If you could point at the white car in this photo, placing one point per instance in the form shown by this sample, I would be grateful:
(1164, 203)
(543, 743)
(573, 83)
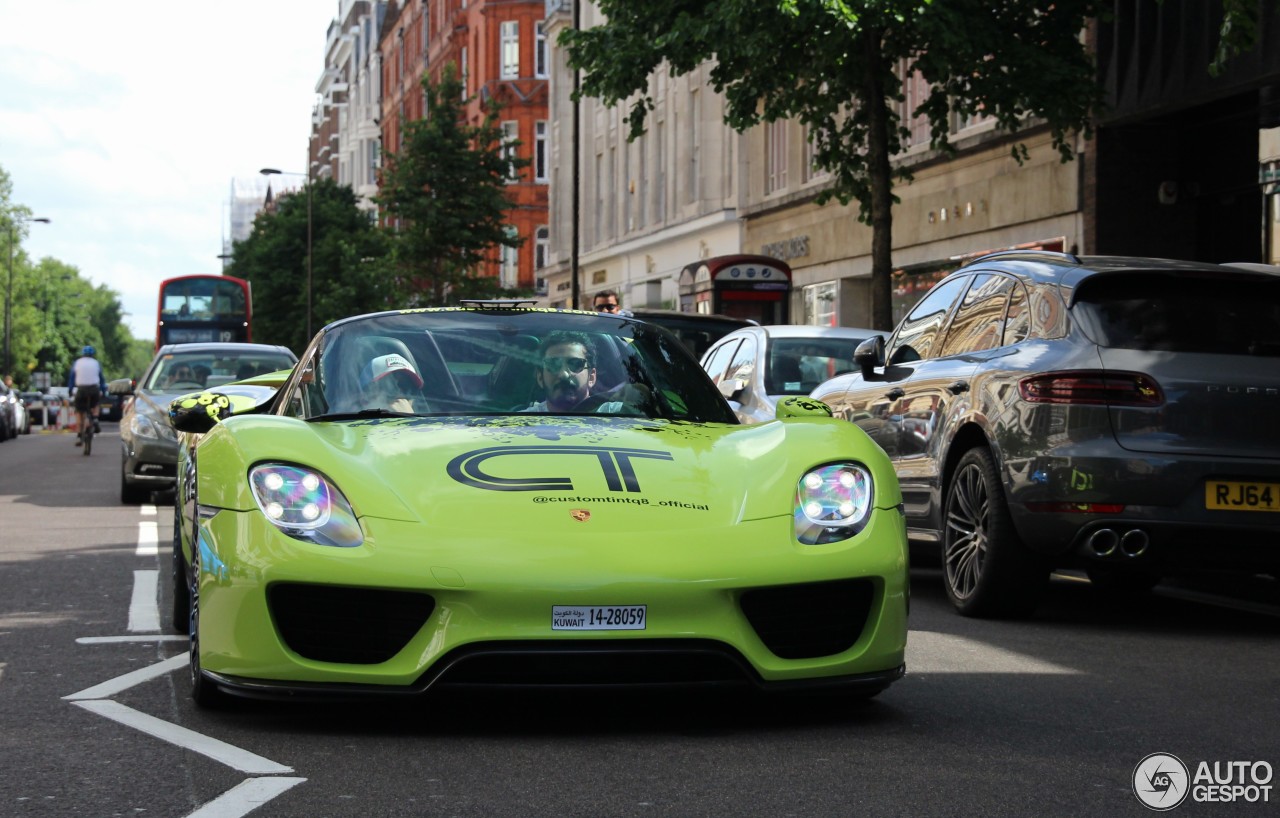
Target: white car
(756, 366)
(21, 415)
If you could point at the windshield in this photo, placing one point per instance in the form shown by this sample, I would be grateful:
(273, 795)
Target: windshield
(188, 371)
(1228, 315)
(798, 365)
(500, 362)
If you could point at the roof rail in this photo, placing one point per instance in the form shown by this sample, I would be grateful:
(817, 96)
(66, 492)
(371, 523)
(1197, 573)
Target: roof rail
(498, 303)
(1047, 255)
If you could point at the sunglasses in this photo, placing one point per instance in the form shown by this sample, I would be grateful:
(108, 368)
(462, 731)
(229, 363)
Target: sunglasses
(606, 307)
(555, 363)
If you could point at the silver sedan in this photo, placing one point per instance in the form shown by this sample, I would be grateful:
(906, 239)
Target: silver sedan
(756, 366)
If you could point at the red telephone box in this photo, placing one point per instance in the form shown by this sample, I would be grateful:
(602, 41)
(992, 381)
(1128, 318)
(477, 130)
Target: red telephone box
(741, 286)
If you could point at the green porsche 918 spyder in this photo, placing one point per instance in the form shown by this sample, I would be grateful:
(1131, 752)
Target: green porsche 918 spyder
(500, 495)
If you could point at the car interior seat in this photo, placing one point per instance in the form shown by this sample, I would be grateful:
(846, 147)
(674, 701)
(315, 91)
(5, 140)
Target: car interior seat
(785, 376)
(511, 382)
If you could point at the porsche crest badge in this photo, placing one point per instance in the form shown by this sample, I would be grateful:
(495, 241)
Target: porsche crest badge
(580, 514)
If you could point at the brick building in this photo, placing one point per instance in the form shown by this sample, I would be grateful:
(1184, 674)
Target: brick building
(501, 55)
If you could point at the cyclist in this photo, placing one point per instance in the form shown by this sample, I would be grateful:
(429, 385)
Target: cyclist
(86, 384)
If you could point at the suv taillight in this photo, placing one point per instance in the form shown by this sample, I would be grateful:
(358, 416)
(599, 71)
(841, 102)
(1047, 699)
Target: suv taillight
(1092, 387)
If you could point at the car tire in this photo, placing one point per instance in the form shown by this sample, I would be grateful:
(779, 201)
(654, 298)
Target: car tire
(204, 692)
(1114, 581)
(181, 579)
(987, 571)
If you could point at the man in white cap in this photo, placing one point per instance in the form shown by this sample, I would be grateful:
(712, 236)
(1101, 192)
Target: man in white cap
(390, 382)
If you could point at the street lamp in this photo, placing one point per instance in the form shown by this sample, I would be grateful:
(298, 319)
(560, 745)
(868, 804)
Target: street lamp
(269, 172)
(8, 298)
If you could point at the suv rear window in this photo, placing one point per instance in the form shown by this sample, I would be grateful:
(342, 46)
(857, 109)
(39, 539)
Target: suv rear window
(1225, 315)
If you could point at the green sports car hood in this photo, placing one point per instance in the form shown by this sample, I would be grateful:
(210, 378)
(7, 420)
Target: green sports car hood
(628, 473)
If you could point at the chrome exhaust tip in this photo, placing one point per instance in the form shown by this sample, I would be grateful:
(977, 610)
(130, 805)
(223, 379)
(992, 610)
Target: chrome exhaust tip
(1134, 543)
(1103, 542)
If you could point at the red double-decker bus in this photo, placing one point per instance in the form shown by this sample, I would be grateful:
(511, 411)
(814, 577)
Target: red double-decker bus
(198, 308)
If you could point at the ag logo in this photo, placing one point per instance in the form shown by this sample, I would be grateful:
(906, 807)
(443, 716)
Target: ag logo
(1161, 781)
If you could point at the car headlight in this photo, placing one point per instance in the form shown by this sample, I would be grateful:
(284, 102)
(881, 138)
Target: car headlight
(833, 503)
(304, 504)
(142, 425)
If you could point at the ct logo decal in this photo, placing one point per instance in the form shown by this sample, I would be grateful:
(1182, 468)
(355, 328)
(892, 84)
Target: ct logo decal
(615, 464)
(1161, 781)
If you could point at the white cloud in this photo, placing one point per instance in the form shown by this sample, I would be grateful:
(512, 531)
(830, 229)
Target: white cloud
(126, 124)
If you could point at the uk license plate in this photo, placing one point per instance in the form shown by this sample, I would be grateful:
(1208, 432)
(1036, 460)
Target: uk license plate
(598, 617)
(1234, 495)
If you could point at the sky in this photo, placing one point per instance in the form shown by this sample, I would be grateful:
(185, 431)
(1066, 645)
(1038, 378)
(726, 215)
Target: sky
(124, 124)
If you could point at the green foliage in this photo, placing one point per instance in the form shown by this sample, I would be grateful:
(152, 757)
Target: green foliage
(833, 65)
(54, 311)
(348, 267)
(446, 192)
(1238, 32)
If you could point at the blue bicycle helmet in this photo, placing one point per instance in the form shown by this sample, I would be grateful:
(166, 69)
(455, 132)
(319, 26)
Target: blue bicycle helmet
(88, 350)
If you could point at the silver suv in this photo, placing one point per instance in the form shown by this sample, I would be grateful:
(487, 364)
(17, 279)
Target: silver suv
(1116, 415)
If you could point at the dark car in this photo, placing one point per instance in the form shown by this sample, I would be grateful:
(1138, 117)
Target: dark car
(697, 330)
(149, 445)
(35, 407)
(109, 407)
(1116, 415)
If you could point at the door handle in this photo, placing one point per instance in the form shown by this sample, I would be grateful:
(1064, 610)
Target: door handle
(959, 387)
(895, 393)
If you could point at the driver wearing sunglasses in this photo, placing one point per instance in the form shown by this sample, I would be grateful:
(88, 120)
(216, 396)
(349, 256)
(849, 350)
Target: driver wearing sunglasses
(566, 373)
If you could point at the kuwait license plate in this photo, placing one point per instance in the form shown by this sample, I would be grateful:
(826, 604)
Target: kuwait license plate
(1233, 495)
(598, 617)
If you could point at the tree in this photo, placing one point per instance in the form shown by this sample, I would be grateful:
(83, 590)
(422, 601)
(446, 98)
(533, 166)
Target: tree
(347, 268)
(56, 313)
(447, 189)
(834, 65)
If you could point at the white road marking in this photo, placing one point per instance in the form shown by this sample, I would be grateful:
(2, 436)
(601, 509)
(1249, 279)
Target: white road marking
(245, 797)
(148, 539)
(110, 640)
(929, 652)
(240, 800)
(144, 610)
(148, 510)
(128, 680)
(220, 751)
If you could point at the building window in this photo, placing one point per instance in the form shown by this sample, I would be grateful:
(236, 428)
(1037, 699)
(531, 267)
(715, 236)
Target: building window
(642, 189)
(694, 138)
(775, 156)
(540, 52)
(821, 304)
(510, 49)
(540, 151)
(373, 163)
(509, 274)
(660, 173)
(597, 234)
(464, 72)
(811, 171)
(541, 247)
(400, 54)
(510, 136)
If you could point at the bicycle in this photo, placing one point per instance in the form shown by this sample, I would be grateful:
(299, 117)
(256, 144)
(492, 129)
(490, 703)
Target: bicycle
(86, 430)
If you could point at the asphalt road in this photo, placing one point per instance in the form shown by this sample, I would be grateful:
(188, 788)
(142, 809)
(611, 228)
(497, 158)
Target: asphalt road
(1042, 717)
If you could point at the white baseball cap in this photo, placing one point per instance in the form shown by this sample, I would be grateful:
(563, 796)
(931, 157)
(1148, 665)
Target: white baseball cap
(384, 365)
